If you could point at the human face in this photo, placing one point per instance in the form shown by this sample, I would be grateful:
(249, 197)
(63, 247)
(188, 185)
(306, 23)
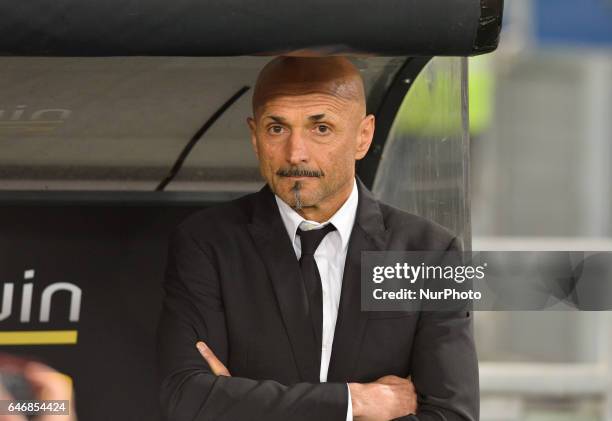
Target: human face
(307, 145)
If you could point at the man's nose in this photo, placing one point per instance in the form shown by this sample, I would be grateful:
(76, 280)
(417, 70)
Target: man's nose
(297, 148)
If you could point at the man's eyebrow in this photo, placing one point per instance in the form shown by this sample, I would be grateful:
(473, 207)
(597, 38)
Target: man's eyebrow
(276, 118)
(316, 117)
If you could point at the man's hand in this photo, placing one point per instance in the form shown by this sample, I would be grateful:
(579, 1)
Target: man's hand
(47, 384)
(216, 366)
(387, 398)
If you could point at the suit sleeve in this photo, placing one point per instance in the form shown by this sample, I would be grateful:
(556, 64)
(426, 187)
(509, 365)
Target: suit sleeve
(445, 366)
(193, 310)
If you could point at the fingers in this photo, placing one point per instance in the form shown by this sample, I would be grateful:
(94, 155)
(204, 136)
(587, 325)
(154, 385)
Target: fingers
(407, 400)
(413, 396)
(390, 379)
(47, 384)
(216, 366)
(50, 384)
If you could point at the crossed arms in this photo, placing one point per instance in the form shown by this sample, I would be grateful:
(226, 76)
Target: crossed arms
(196, 385)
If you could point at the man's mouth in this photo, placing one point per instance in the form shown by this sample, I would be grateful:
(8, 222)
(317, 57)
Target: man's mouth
(298, 177)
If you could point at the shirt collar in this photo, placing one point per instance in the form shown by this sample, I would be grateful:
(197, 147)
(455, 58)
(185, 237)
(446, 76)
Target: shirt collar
(343, 219)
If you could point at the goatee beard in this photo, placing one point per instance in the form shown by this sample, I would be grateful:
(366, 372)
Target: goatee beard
(296, 193)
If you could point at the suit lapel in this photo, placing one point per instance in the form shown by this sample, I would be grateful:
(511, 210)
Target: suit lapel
(276, 250)
(368, 234)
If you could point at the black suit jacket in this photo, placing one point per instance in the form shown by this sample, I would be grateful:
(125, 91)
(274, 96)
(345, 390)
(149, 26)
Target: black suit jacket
(233, 281)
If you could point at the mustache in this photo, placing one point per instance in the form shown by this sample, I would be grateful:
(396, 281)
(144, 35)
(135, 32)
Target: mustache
(299, 172)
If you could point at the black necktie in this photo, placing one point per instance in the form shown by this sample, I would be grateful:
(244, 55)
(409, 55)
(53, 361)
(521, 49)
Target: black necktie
(310, 240)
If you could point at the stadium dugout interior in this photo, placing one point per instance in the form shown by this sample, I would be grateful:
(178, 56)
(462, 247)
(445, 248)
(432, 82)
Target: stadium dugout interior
(119, 118)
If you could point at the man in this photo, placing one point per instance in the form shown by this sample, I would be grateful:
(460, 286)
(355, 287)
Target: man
(268, 285)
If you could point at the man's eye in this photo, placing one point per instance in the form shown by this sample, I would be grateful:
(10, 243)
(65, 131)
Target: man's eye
(322, 129)
(275, 130)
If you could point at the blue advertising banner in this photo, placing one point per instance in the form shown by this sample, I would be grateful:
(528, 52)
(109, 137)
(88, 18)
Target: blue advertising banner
(584, 22)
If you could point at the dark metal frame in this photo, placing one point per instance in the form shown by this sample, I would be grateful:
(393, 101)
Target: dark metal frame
(197, 136)
(385, 116)
(114, 198)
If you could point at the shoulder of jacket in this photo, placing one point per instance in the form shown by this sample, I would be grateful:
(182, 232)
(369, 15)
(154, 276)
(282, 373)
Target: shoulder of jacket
(218, 217)
(396, 219)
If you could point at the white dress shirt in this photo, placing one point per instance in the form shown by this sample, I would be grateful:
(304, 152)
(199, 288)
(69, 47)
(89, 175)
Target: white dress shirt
(330, 257)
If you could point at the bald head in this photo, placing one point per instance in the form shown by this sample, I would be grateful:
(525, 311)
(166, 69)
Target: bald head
(285, 75)
(308, 128)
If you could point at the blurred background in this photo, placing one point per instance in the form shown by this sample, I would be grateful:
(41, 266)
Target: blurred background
(541, 172)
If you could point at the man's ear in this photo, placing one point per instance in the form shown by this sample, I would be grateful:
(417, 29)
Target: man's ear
(253, 130)
(366, 134)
